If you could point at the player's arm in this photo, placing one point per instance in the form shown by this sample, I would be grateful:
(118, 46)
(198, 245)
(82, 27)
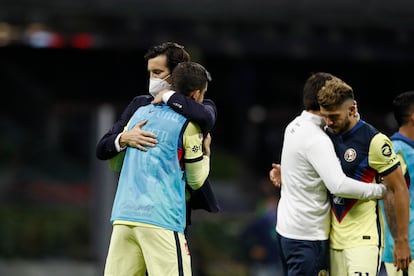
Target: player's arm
(383, 158)
(389, 203)
(329, 169)
(196, 156)
(204, 114)
(396, 213)
(396, 184)
(111, 142)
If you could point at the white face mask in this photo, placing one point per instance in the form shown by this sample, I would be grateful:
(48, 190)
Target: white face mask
(156, 85)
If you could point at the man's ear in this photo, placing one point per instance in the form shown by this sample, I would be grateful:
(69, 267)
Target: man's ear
(355, 109)
(195, 94)
(412, 117)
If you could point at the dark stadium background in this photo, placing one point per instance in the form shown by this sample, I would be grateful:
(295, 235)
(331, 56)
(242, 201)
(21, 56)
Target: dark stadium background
(67, 68)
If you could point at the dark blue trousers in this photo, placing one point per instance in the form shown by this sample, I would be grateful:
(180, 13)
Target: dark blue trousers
(304, 258)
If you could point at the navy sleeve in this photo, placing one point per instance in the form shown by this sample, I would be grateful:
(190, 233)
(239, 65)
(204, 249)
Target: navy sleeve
(105, 149)
(204, 114)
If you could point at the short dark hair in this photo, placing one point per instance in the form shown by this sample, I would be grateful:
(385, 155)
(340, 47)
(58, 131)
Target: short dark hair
(189, 76)
(403, 107)
(175, 53)
(334, 93)
(311, 88)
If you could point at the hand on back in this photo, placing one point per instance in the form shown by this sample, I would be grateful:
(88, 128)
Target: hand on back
(138, 138)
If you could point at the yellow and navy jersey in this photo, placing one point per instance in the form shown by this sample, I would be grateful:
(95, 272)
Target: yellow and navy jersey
(366, 155)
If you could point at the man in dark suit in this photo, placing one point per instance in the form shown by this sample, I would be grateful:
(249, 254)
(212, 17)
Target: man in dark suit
(161, 60)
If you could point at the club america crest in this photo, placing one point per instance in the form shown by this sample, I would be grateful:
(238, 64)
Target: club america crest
(350, 155)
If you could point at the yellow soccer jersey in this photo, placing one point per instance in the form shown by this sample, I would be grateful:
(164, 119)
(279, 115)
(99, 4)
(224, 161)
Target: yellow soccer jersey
(365, 155)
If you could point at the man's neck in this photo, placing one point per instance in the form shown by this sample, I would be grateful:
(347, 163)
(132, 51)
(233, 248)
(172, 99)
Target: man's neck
(354, 121)
(315, 112)
(407, 131)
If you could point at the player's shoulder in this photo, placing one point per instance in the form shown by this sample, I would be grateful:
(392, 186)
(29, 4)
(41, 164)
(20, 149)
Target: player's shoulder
(401, 141)
(142, 99)
(380, 138)
(139, 101)
(209, 102)
(381, 154)
(381, 143)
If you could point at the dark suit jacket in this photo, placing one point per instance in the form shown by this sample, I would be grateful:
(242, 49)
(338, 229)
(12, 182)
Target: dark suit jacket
(204, 114)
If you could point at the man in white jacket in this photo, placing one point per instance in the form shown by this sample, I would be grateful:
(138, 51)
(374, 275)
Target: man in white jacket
(304, 210)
